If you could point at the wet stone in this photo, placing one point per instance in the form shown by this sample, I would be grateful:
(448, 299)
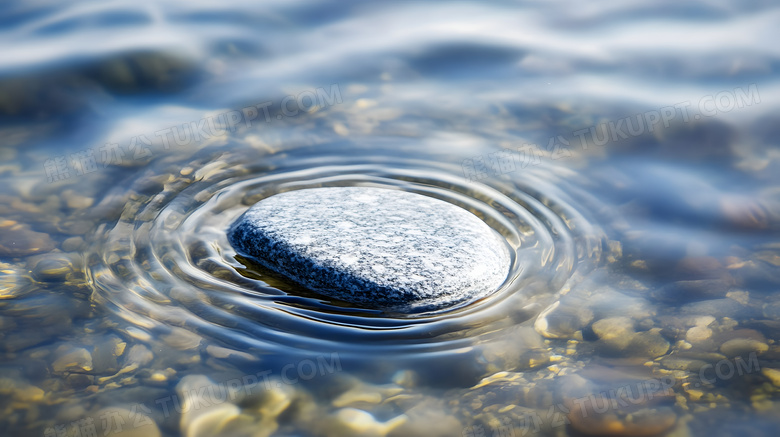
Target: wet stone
(377, 248)
(615, 331)
(772, 374)
(675, 363)
(562, 321)
(635, 422)
(73, 360)
(648, 344)
(743, 347)
(135, 423)
(52, 268)
(698, 334)
(19, 240)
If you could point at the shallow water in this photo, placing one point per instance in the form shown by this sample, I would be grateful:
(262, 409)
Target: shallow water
(627, 152)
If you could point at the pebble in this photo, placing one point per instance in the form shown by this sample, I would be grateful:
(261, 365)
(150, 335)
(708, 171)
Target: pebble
(355, 422)
(367, 393)
(52, 268)
(104, 355)
(743, 347)
(428, 418)
(77, 201)
(675, 363)
(639, 423)
(138, 356)
(615, 331)
(772, 374)
(74, 360)
(20, 391)
(650, 344)
(201, 415)
(562, 321)
(132, 422)
(19, 240)
(375, 247)
(72, 244)
(698, 334)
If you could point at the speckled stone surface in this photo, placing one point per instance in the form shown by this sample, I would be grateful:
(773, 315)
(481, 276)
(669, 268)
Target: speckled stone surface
(375, 247)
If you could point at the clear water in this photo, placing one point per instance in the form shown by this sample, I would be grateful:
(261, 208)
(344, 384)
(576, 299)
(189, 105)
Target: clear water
(626, 151)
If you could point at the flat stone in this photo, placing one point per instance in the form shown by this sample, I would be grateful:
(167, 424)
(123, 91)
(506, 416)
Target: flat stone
(375, 247)
(743, 347)
(20, 240)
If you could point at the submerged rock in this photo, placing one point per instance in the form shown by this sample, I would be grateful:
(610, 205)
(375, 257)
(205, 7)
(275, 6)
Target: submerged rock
(19, 240)
(374, 247)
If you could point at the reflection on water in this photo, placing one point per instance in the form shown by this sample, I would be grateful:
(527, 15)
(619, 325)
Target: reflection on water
(626, 152)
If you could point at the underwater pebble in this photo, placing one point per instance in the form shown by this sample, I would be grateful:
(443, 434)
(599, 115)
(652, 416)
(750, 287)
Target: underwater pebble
(521, 348)
(77, 201)
(206, 410)
(375, 247)
(209, 417)
(362, 392)
(19, 240)
(213, 422)
(354, 422)
(650, 344)
(562, 321)
(104, 355)
(20, 391)
(742, 347)
(639, 423)
(772, 374)
(74, 360)
(698, 334)
(181, 339)
(136, 424)
(615, 331)
(72, 244)
(428, 418)
(52, 267)
(139, 355)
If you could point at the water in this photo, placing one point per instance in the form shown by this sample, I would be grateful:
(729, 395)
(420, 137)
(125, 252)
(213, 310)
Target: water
(625, 151)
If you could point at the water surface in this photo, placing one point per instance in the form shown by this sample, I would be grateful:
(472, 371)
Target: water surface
(627, 152)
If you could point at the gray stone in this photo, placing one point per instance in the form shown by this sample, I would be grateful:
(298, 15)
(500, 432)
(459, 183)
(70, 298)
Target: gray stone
(375, 247)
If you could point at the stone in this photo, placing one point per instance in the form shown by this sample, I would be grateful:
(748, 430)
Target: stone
(615, 331)
(772, 374)
(20, 391)
(139, 355)
(562, 321)
(587, 419)
(743, 347)
(73, 244)
(125, 422)
(649, 344)
(698, 334)
(365, 393)
(53, 267)
(202, 412)
(377, 248)
(73, 360)
(19, 240)
(355, 422)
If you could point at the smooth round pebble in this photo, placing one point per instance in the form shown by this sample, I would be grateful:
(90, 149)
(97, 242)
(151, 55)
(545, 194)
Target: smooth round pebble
(742, 347)
(375, 247)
